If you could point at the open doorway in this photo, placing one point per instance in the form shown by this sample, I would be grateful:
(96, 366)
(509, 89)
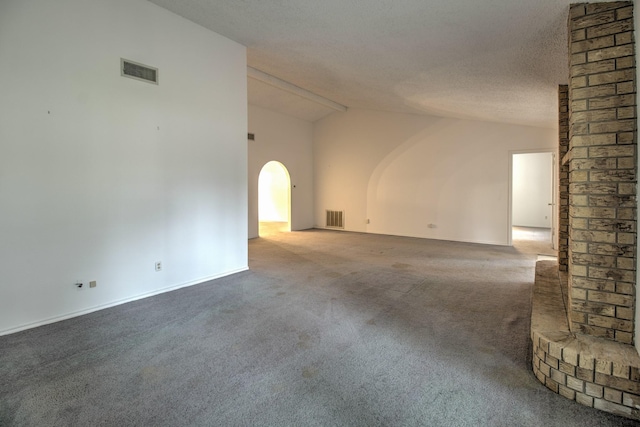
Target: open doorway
(274, 199)
(533, 204)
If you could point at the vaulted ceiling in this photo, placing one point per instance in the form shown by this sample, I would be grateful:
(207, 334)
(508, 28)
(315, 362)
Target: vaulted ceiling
(496, 60)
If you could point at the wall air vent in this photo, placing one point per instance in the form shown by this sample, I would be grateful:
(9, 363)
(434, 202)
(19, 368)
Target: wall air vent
(138, 71)
(335, 219)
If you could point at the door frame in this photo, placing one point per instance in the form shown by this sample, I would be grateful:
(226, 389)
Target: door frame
(288, 176)
(554, 194)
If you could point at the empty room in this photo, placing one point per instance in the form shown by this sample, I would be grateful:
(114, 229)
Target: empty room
(287, 213)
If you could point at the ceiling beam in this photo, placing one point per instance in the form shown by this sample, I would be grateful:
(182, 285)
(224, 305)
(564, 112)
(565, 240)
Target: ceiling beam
(281, 84)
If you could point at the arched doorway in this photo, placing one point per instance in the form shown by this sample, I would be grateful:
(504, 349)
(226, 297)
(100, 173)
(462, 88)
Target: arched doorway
(274, 199)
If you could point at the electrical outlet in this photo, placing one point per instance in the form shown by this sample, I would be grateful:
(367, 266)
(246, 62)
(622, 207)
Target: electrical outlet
(93, 284)
(158, 265)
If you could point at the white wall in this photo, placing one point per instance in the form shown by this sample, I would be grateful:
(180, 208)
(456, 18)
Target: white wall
(287, 140)
(532, 191)
(404, 172)
(101, 176)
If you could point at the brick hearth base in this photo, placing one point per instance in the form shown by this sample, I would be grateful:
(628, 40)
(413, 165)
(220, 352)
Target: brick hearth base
(592, 371)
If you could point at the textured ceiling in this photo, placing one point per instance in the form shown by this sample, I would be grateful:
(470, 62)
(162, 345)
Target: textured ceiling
(497, 60)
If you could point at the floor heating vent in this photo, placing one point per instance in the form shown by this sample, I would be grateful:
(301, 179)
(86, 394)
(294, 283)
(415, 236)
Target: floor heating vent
(335, 219)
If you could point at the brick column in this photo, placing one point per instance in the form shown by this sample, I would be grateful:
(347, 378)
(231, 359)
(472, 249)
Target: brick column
(563, 177)
(602, 170)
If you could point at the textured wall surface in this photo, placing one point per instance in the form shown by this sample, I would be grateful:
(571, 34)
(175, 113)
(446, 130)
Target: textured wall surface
(593, 371)
(602, 167)
(563, 177)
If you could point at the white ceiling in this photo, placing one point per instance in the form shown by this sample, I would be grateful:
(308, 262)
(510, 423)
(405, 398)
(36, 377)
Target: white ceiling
(496, 60)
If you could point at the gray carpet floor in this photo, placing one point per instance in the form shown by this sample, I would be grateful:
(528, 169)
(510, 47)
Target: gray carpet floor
(326, 329)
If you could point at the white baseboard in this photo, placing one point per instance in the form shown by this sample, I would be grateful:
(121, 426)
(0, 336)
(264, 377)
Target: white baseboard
(118, 302)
